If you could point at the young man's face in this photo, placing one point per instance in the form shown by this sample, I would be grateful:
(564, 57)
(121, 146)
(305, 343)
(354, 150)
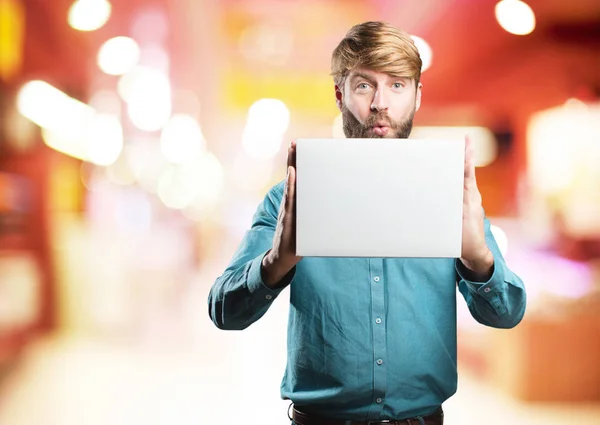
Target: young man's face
(376, 104)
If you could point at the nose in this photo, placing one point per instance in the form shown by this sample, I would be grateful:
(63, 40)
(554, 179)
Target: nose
(379, 102)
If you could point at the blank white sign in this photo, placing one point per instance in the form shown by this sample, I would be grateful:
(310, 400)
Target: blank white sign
(379, 197)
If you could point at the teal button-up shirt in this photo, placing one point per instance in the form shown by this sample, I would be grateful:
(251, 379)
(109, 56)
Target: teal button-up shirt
(368, 338)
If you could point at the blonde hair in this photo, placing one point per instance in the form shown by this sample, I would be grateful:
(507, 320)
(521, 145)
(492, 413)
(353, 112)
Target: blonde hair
(377, 46)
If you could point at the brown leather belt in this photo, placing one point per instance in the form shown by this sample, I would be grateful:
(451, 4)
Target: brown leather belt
(303, 418)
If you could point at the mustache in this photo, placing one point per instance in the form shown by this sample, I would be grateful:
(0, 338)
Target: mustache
(379, 117)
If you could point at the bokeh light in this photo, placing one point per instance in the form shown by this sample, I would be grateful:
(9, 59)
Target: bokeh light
(268, 120)
(424, 51)
(501, 239)
(118, 55)
(515, 16)
(50, 108)
(89, 15)
(104, 139)
(148, 95)
(181, 139)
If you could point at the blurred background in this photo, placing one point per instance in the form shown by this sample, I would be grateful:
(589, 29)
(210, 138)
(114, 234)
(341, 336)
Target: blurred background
(138, 137)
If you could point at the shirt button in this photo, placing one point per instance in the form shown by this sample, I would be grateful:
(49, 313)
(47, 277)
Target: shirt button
(378, 320)
(268, 297)
(379, 361)
(376, 278)
(379, 400)
(487, 290)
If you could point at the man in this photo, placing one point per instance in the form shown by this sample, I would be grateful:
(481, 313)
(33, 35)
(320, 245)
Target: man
(370, 340)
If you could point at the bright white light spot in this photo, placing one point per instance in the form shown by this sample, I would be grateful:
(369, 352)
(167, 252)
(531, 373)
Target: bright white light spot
(70, 126)
(70, 142)
(484, 141)
(268, 120)
(515, 16)
(181, 139)
(118, 55)
(148, 94)
(149, 116)
(50, 108)
(424, 51)
(501, 239)
(89, 15)
(99, 140)
(104, 139)
(563, 150)
(141, 78)
(270, 113)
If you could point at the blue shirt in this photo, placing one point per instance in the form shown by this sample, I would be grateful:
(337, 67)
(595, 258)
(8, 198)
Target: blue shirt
(368, 338)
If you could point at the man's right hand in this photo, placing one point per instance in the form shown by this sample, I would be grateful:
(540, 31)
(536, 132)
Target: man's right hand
(282, 257)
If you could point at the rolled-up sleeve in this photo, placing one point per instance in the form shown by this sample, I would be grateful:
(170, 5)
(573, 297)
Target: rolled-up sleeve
(500, 302)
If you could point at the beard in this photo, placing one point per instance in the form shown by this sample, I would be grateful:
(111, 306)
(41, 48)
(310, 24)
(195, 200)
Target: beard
(355, 130)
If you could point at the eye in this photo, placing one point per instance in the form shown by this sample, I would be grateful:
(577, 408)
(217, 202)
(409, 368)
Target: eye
(398, 85)
(362, 86)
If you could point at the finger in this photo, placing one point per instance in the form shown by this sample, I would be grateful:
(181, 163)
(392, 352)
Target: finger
(290, 152)
(282, 205)
(291, 189)
(293, 146)
(291, 159)
(469, 159)
(292, 207)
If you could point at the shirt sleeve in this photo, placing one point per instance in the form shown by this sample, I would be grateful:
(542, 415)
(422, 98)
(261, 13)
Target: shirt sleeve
(239, 297)
(500, 302)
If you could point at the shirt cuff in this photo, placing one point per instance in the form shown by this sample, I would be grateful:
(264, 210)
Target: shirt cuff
(491, 290)
(257, 286)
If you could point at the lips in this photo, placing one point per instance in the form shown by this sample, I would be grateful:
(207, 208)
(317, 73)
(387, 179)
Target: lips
(380, 126)
(381, 130)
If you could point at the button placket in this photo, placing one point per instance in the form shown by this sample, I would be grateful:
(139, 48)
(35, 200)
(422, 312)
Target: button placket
(379, 338)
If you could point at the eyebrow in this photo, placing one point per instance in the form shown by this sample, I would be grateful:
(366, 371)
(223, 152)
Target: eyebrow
(361, 75)
(371, 79)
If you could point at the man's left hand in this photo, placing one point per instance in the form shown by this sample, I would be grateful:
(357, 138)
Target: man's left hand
(475, 253)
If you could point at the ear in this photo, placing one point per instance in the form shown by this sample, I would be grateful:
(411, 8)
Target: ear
(339, 97)
(418, 98)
